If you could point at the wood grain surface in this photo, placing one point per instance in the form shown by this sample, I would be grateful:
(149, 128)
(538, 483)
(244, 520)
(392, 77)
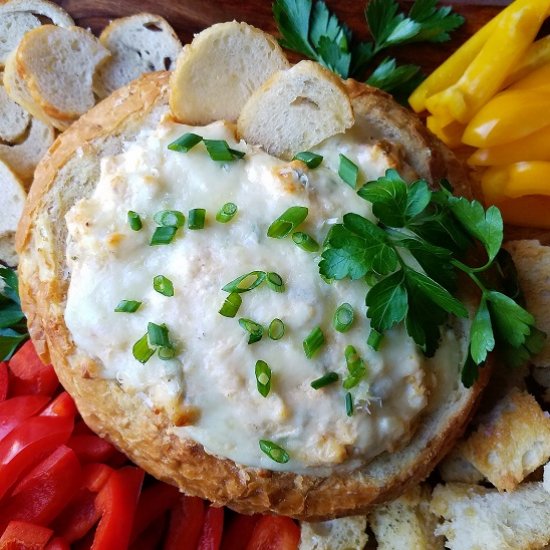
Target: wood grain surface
(191, 16)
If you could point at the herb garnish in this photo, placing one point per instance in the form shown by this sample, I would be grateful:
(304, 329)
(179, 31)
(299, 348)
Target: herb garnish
(13, 326)
(262, 372)
(312, 30)
(274, 451)
(414, 254)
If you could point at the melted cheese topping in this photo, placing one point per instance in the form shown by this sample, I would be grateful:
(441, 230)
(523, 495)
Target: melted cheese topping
(209, 388)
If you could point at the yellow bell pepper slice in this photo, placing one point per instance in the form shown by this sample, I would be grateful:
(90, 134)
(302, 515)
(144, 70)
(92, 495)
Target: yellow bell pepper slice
(535, 80)
(530, 211)
(535, 146)
(510, 39)
(536, 56)
(516, 180)
(450, 134)
(509, 116)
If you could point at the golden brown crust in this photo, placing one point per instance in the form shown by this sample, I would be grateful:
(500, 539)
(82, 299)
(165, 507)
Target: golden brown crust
(134, 427)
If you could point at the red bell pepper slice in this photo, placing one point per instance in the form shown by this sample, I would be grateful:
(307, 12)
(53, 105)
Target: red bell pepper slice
(62, 405)
(16, 410)
(28, 444)
(58, 543)
(91, 448)
(212, 530)
(41, 495)
(79, 517)
(238, 531)
(95, 475)
(3, 380)
(117, 501)
(154, 501)
(29, 375)
(151, 538)
(20, 535)
(275, 533)
(185, 527)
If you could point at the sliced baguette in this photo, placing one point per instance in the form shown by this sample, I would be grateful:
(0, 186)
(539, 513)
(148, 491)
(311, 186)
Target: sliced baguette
(14, 120)
(58, 65)
(336, 534)
(217, 73)
(141, 43)
(295, 110)
(13, 199)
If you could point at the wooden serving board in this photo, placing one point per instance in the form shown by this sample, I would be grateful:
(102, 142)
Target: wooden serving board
(191, 16)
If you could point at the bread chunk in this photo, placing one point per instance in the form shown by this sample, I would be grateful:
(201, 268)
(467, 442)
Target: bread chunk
(476, 518)
(14, 120)
(336, 534)
(512, 442)
(141, 43)
(217, 73)
(455, 467)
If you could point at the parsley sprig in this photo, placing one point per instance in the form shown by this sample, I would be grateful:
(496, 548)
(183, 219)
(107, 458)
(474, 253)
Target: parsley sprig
(13, 326)
(312, 30)
(414, 254)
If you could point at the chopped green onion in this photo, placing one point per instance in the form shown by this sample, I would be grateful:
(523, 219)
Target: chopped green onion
(287, 222)
(327, 379)
(226, 212)
(349, 404)
(311, 160)
(343, 318)
(196, 218)
(134, 220)
(219, 150)
(356, 368)
(246, 282)
(263, 377)
(170, 218)
(141, 350)
(231, 305)
(375, 339)
(273, 451)
(166, 353)
(185, 143)
(305, 242)
(127, 306)
(314, 340)
(348, 171)
(163, 235)
(276, 329)
(158, 335)
(255, 330)
(275, 282)
(163, 285)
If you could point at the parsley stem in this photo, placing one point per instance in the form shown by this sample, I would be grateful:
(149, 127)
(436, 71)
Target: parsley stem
(471, 272)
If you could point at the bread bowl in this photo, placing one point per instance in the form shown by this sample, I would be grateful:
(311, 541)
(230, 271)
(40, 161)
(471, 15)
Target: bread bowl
(313, 489)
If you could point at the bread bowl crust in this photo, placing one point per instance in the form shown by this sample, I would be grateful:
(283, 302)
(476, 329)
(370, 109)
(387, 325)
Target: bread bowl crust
(131, 425)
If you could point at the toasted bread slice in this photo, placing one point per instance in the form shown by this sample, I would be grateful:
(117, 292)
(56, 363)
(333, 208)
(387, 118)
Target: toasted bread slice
(58, 65)
(14, 120)
(141, 43)
(337, 534)
(20, 16)
(295, 110)
(13, 199)
(217, 73)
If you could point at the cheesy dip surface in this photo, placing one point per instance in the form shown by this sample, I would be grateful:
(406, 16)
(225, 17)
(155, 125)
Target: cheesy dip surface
(209, 388)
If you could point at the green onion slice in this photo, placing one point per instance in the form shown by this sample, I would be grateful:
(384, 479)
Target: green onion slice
(226, 212)
(276, 329)
(325, 380)
(134, 220)
(348, 171)
(185, 143)
(311, 160)
(356, 368)
(275, 282)
(349, 404)
(343, 318)
(163, 285)
(375, 339)
(246, 282)
(219, 150)
(305, 242)
(263, 377)
(287, 222)
(158, 335)
(170, 218)
(196, 218)
(141, 350)
(231, 305)
(163, 235)
(128, 306)
(255, 330)
(314, 340)
(273, 451)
